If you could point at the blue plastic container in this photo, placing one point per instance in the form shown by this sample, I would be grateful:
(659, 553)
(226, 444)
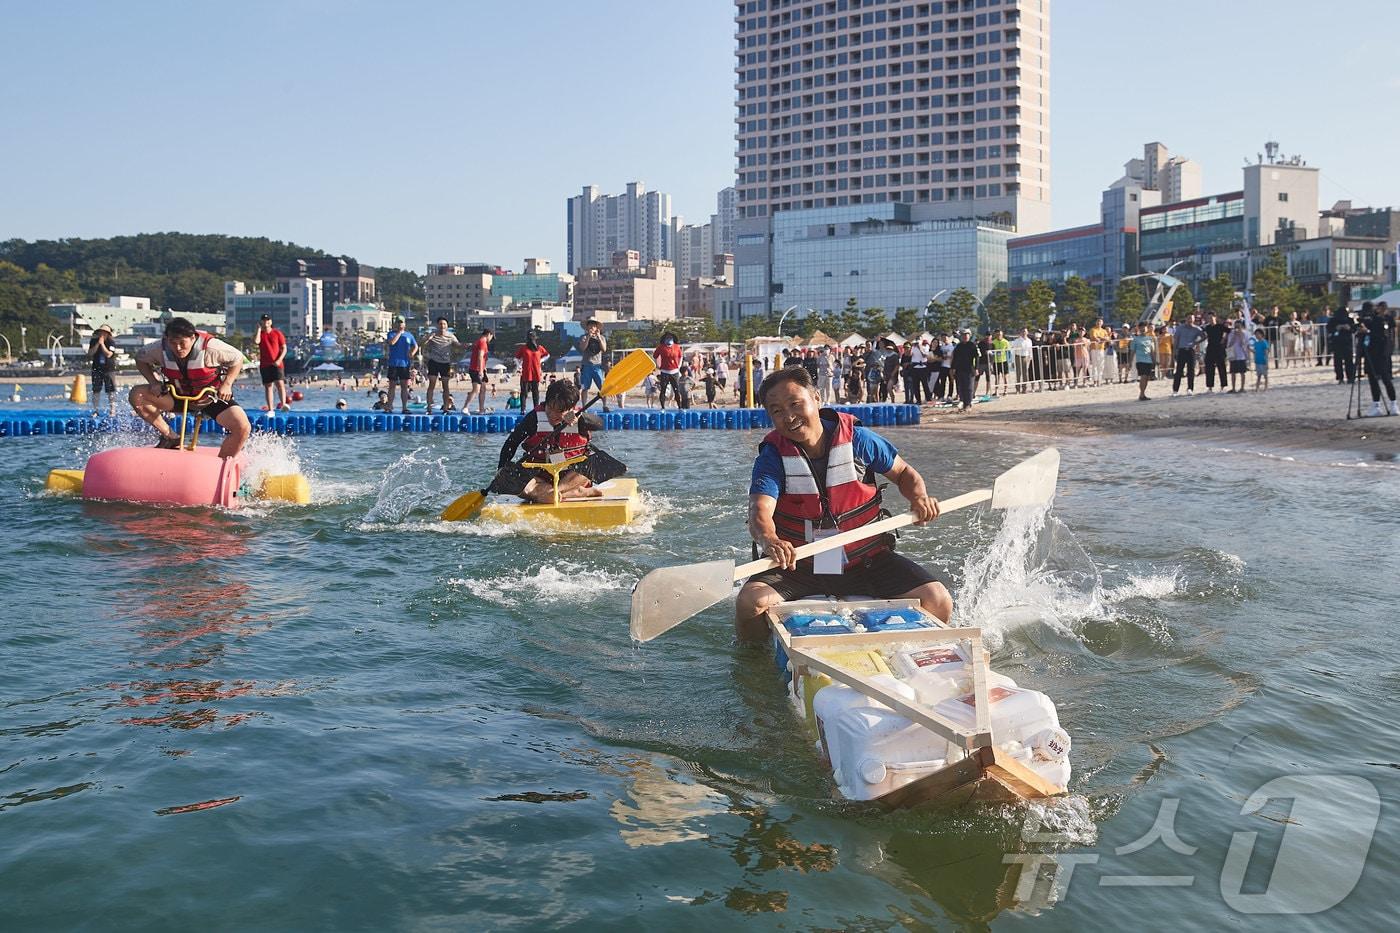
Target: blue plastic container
(818, 623)
(892, 620)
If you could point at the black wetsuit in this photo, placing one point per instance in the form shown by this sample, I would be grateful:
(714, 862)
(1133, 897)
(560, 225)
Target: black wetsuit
(1215, 353)
(1339, 338)
(1378, 343)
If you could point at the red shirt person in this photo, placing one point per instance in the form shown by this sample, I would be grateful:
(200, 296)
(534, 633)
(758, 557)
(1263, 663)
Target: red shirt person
(476, 369)
(531, 356)
(272, 353)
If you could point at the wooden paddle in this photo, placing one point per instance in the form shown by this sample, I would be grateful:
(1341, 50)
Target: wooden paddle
(626, 374)
(668, 596)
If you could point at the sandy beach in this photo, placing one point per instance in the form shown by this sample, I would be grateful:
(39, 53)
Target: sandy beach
(1303, 407)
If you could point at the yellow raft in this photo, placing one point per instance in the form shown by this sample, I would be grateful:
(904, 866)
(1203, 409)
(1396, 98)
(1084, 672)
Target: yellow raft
(618, 505)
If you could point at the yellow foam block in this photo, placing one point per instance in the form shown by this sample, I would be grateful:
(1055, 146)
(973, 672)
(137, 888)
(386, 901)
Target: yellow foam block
(286, 487)
(615, 508)
(862, 661)
(65, 481)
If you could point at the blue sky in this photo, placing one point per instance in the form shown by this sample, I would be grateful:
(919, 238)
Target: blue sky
(410, 133)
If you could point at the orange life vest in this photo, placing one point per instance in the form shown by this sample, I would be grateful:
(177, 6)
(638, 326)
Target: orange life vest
(850, 499)
(546, 440)
(194, 372)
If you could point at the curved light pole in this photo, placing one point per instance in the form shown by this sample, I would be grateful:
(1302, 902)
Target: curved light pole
(986, 317)
(783, 317)
(928, 308)
(9, 353)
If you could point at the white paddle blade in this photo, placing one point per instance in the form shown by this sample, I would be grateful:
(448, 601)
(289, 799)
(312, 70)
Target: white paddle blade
(1030, 482)
(668, 596)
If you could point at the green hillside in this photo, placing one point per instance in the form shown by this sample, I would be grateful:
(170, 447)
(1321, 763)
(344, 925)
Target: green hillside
(183, 271)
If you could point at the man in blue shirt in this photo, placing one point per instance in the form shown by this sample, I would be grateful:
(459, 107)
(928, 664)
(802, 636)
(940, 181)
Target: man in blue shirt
(400, 348)
(815, 475)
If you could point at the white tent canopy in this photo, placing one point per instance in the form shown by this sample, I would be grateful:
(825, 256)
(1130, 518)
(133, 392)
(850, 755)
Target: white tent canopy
(328, 368)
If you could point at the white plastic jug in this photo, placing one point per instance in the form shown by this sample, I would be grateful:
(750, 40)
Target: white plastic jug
(1016, 713)
(942, 671)
(873, 749)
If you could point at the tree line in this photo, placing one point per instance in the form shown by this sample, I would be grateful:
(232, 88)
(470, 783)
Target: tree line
(1073, 300)
(181, 271)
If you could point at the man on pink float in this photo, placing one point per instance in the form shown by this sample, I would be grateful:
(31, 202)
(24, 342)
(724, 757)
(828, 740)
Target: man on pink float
(189, 360)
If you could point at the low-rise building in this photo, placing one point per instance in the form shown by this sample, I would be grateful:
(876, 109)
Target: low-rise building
(119, 313)
(295, 308)
(630, 290)
(453, 289)
(356, 318)
(341, 280)
(538, 284)
(880, 256)
(1333, 265)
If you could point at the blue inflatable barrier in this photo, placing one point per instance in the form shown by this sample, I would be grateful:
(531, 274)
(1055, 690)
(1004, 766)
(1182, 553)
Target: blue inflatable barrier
(31, 423)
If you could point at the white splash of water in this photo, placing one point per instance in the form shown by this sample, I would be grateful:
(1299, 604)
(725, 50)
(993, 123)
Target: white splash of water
(267, 454)
(566, 581)
(1155, 586)
(1035, 571)
(413, 480)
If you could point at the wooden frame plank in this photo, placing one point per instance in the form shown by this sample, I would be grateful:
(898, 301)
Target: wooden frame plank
(958, 775)
(911, 711)
(782, 609)
(1020, 778)
(932, 636)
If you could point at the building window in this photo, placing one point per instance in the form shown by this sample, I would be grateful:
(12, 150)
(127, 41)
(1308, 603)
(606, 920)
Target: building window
(1283, 195)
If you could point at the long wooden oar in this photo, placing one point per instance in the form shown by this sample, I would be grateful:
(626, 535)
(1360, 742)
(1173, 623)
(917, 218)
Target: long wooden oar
(668, 596)
(626, 374)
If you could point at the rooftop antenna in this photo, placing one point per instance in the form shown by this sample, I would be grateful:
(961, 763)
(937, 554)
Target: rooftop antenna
(1271, 148)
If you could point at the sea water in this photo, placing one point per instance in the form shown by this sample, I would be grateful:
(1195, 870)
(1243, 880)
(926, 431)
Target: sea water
(352, 715)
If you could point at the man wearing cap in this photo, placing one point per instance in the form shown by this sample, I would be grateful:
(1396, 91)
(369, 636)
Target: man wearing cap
(400, 347)
(272, 352)
(591, 348)
(103, 356)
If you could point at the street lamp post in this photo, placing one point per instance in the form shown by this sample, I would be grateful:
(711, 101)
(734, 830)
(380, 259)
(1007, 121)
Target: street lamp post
(928, 308)
(783, 317)
(986, 317)
(23, 347)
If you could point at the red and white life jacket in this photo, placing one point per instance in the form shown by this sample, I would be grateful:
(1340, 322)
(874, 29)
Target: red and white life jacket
(851, 500)
(547, 440)
(196, 371)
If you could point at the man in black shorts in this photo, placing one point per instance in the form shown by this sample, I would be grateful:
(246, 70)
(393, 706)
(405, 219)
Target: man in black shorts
(440, 348)
(191, 361)
(814, 475)
(400, 347)
(103, 356)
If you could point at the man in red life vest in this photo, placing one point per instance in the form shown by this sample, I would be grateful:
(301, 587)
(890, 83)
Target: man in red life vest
(815, 475)
(555, 428)
(189, 360)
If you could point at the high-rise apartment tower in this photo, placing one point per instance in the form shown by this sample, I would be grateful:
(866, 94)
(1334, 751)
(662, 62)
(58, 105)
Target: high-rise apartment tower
(941, 108)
